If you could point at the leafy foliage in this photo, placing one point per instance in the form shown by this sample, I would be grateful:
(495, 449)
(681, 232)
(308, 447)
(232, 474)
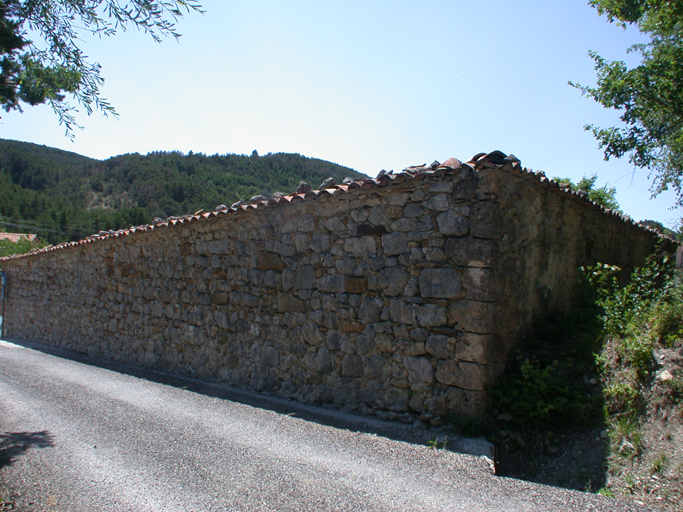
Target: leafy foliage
(64, 196)
(610, 334)
(540, 389)
(605, 196)
(648, 96)
(45, 70)
(8, 248)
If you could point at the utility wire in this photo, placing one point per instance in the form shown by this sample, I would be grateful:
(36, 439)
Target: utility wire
(38, 227)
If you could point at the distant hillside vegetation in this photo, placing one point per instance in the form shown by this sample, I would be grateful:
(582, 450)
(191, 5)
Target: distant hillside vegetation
(65, 196)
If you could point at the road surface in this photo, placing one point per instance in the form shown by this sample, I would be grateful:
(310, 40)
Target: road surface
(77, 437)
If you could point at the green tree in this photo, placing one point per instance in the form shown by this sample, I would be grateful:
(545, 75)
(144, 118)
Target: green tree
(51, 65)
(605, 196)
(648, 96)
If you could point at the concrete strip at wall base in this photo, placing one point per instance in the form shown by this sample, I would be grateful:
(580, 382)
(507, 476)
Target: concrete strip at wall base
(398, 298)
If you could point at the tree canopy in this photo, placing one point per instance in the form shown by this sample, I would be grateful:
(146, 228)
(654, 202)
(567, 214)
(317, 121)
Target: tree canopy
(64, 196)
(605, 195)
(648, 96)
(40, 58)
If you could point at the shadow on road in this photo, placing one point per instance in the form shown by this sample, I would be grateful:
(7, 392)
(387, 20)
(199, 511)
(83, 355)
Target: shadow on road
(330, 417)
(14, 444)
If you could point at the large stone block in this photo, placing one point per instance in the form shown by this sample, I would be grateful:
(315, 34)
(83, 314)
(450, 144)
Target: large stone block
(395, 243)
(439, 346)
(471, 376)
(485, 219)
(360, 247)
(420, 370)
(355, 285)
(269, 261)
(454, 222)
(470, 252)
(439, 202)
(440, 283)
(352, 366)
(401, 312)
(393, 281)
(472, 316)
(288, 303)
(432, 315)
(305, 278)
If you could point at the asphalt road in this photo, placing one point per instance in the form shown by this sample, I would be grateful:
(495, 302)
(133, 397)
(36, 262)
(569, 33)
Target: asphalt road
(78, 437)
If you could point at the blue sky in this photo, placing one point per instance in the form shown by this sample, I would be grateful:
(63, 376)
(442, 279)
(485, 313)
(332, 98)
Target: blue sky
(368, 84)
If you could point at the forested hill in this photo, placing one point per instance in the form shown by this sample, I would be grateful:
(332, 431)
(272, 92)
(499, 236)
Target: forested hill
(65, 196)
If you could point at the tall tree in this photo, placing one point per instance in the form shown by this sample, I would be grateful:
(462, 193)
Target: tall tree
(51, 65)
(648, 96)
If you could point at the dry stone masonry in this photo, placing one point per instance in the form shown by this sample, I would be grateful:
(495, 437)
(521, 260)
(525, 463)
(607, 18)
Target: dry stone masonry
(399, 296)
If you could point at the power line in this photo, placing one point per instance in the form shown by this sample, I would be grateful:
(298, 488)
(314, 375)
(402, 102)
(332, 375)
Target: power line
(50, 230)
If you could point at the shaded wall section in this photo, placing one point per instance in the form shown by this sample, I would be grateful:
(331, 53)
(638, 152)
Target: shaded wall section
(398, 297)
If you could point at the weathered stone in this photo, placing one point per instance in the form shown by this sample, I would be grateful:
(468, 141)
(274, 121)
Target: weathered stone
(344, 396)
(378, 369)
(404, 224)
(396, 400)
(415, 348)
(439, 346)
(288, 303)
(453, 223)
(220, 298)
(271, 356)
(420, 370)
(306, 223)
(432, 315)
(285, 249)
(478, 348)
(441, 283)
(269, 261)
(393, 281)
(369, 309)
(349, 325)
(485, 219)
(394, 243)
(305, 278)
(401, 312)
(413, 210)
(364, 345)
(467, 402)
(320, 242)
(470, 252)
(352, 366)
(479, 285)
(472, 316)
(360, 247)
(222, 320)
(400, 383)
(324, 361)
(335, 225)
(272, 279)
(370, 230)
(355, 285)
(399, 199)
(335, 339)
(332, 283)
(345, 266)
(378, 216)
(474, 377)
(438, 202)
(435, 406)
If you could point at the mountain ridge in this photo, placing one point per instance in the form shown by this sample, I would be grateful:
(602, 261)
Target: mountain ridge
(65, 196)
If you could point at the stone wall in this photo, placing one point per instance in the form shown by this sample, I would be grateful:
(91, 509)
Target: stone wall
(399, 296)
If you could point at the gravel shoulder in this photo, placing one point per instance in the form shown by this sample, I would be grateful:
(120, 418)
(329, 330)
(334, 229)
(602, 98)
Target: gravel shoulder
(82, 437)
